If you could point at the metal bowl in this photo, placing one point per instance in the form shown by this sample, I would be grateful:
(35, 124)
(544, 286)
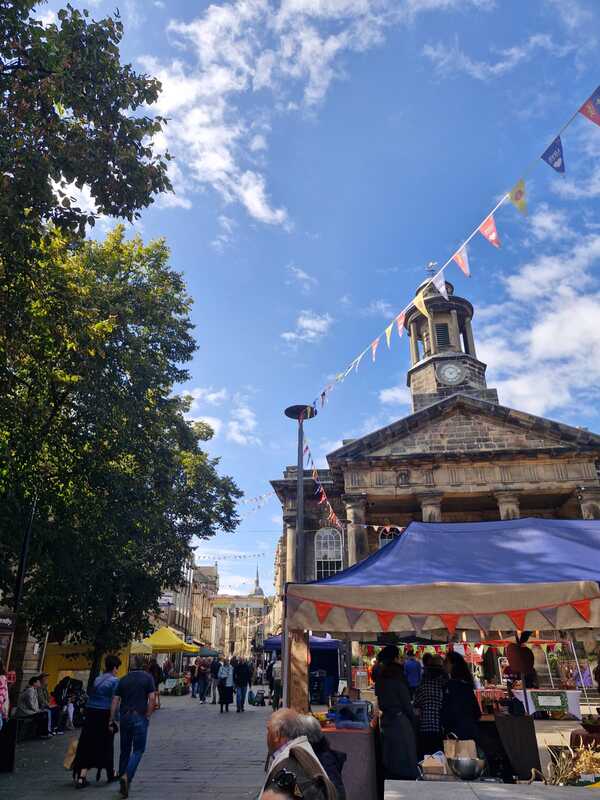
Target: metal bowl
(467, 769)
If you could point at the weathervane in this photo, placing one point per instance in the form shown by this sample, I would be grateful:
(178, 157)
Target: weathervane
(431, 268)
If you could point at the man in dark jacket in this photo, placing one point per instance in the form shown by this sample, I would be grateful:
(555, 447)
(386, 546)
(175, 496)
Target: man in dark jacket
(215, 666)
(242, 676)
(332, 761)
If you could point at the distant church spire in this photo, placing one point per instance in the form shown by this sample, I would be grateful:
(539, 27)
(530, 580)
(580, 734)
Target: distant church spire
(257, 590)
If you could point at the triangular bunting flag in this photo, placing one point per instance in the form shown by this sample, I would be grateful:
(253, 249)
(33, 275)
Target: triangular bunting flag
(517, 196)
(553, 155)
(518, 617)
(591, 107)
(374, 346)
(462, 259)
(417, 623)
(293, 603)
(419, 303)
(322, 609)
(484, 621)
(450, 621)
(353, 615)
(385, 619)
(583, 608)
(551, 615)
(388, 333)
(440, 283)
(400, 323)
(488, 229)
(358, 360)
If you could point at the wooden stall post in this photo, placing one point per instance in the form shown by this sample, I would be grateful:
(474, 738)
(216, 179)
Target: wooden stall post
(297, 678)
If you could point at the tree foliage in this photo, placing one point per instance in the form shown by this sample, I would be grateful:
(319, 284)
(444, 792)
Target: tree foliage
(90, 425)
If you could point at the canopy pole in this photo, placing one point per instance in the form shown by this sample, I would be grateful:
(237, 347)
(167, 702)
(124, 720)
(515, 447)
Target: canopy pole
(587, 699)
(549, 667)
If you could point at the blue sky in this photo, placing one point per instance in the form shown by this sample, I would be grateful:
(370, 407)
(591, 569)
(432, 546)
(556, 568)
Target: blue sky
(325, 151)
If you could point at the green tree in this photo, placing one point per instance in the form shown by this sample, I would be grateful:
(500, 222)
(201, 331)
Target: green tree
(91, 426)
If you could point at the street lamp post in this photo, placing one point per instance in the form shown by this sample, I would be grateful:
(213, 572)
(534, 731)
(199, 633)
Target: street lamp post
(300, 413)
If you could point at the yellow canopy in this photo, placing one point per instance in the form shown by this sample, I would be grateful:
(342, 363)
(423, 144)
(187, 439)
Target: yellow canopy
(166, 640)
(140, 648)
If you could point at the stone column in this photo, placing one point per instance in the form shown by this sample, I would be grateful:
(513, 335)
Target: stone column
(508, 505)
(589, 501)
(289, 521)
(454, 331)
(356, 506)
(469, 338)
(432, 336)
(431, 506)
(414, 344)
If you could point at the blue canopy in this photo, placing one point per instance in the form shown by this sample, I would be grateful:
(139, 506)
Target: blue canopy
(314, 643)
(491, 570)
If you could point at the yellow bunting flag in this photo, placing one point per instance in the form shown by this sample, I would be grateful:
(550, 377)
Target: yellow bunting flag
(374, 346)
(419, 302)
(400, 323)
(517, 196)
(388, 333)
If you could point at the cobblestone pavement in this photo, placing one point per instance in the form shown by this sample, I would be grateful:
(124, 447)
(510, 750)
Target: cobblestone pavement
(193, 752)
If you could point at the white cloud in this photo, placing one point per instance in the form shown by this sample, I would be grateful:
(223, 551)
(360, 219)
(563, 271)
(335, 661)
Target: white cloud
(310, 327)
(242, 424)
(46, 17)
(395, 395)
(379, 308)
(549, 224)
(451, 59)
(215, 423)
(245, 59)
(584, 188)
(298, 276)
(225, 236)
(202, 396)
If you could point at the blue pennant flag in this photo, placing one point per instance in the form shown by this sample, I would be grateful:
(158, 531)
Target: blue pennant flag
(553, 155)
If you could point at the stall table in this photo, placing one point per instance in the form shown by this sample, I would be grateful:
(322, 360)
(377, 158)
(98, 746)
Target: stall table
(360, 770)
(573, 697)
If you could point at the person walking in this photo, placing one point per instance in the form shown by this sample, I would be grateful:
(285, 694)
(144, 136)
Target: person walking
(96, 743)
(460, 709)
(215, 666)
(158, 678)
(135, 698)
(277, 691)
(203, 673)
(225, 685)
(242, 679)
(194, 678)
(397, 722)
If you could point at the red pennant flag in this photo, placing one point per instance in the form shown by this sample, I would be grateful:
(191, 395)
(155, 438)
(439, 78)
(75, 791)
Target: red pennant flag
(385, 619)
(374, 346)
(450, 621)
(322, 609)
(591, 107)
(518, 617)
(583, 608)
(488, 229)
(400, 324)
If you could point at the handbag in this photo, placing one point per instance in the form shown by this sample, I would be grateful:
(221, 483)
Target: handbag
(70, 754)
(460, 748)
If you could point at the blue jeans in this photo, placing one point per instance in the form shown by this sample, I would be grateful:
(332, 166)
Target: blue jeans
(202, 686)
(194, 686)
(134, 732)
(240, 696)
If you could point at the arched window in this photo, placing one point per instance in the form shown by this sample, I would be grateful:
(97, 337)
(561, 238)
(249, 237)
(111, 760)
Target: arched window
(328, 552)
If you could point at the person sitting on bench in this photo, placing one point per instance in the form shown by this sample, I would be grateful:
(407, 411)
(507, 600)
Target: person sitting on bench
(29, 708)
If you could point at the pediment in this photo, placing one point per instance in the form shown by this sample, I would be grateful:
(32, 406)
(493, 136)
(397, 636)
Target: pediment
(462, 424)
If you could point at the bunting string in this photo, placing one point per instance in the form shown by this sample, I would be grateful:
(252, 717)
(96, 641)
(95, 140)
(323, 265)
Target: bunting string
(320, 492)
(553, 155)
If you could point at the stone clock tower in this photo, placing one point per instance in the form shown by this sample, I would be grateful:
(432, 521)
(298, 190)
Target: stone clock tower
(442, 349)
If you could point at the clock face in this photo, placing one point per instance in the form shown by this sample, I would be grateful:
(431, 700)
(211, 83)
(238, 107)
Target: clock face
(451, 373)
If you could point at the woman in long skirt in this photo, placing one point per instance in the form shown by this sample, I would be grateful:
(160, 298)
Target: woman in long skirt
(225, 685)
(95, 748)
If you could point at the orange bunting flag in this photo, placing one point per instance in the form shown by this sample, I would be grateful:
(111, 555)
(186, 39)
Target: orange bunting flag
(583, 608)
(517, 196)
(385, 619)
(462, 259)
(450, 621)
(400, 323)
(518, 617)
(591, 107)
(388, 333)
(488, 230)
(322, 610)
(374, 346)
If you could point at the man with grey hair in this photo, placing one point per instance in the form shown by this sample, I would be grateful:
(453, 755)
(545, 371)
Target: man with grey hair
(292, 762)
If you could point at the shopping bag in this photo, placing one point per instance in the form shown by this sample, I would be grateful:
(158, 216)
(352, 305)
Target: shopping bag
(70, 756)
(460, 748)
(251, 697)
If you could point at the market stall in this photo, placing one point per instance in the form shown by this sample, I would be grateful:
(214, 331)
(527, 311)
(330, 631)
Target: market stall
(448, 580)
(324, 664)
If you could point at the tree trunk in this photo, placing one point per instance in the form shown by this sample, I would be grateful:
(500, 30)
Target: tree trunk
(95, 666)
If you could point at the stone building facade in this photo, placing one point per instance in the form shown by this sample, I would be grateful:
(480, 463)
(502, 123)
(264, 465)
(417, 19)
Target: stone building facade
(460, 456)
